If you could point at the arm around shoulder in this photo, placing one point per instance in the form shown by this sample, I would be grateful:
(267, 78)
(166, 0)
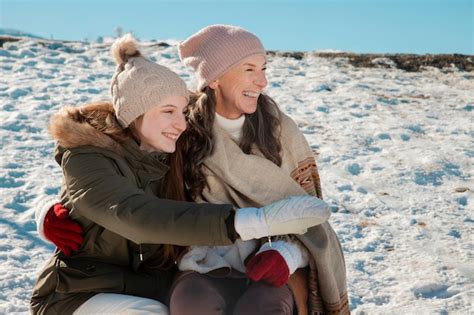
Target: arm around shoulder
(98, 191)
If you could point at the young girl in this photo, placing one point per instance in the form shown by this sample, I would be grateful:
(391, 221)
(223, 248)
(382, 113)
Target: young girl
(116, 163)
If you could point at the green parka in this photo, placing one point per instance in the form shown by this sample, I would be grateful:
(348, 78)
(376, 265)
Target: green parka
(111, 189)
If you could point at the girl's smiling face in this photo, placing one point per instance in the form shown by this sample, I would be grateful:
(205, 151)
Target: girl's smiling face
(160, 127)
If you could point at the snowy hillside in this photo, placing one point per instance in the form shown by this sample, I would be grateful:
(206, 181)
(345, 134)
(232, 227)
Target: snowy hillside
(395, 152)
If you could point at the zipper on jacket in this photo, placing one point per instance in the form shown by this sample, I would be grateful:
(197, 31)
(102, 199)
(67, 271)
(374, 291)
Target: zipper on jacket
(140, 250)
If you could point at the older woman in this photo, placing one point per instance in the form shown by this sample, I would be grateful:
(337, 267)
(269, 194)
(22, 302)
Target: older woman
(246, 152)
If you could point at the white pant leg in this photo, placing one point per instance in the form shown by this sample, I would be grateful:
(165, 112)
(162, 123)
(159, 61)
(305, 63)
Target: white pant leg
(111, 303)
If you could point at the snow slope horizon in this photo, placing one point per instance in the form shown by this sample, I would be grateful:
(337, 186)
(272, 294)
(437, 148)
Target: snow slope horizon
(17, 33)
(394, 149)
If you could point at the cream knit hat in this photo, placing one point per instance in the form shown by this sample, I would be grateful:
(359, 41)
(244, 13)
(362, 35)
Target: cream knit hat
(139, 84)
(215, 49)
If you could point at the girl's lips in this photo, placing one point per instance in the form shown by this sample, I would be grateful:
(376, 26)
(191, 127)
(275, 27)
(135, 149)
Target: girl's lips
(171, 136)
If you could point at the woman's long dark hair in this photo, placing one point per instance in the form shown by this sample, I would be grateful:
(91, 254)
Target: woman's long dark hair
(261, 129)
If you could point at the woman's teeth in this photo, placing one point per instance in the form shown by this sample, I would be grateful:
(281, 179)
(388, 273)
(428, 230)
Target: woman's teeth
(251, 94)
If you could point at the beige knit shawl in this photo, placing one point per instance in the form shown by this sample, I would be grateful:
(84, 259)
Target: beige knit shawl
(250, 180)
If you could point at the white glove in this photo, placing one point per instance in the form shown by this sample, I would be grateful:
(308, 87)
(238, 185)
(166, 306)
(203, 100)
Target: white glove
(293, 215)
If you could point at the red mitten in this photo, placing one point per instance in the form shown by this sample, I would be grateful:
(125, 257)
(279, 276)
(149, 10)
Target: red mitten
(268, 266)
(274, 263)
(63, 232)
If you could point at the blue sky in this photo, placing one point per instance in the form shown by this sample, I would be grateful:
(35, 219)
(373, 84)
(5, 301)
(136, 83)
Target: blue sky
(371, 26)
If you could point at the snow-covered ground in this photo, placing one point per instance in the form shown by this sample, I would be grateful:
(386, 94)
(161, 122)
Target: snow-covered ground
(395, 153)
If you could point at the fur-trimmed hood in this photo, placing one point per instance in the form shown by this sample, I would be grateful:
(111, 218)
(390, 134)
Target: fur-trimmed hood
(93, 124)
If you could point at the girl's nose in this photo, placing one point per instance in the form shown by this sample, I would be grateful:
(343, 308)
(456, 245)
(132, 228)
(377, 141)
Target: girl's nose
(180, 122)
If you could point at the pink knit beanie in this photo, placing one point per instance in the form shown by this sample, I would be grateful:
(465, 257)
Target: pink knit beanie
(215, 49)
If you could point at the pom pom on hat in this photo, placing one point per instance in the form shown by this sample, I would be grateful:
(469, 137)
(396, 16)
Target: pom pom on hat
(124, 48)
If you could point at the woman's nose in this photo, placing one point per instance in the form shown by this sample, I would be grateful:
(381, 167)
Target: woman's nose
(261, 80)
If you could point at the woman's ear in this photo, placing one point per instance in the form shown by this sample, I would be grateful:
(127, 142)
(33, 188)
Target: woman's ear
(214, 84)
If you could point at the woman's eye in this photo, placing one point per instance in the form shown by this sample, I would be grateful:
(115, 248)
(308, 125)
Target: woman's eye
(248, 69)
(264, 69)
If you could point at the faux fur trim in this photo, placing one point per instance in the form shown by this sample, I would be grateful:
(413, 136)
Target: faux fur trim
(71, 128)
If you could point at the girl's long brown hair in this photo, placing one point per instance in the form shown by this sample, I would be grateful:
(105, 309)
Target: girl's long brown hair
(103, 119)
(261, 129)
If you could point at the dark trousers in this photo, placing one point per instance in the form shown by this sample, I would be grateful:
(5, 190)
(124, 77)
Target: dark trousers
(198, 294)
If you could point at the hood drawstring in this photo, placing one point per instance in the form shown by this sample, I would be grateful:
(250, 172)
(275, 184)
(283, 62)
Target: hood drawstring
(140, 250)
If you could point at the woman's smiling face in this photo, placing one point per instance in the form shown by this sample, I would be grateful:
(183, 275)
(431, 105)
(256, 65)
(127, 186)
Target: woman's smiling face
(238, 89)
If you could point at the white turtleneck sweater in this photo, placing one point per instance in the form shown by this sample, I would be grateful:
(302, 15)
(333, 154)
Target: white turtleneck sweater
(204, 259)
(232, 126)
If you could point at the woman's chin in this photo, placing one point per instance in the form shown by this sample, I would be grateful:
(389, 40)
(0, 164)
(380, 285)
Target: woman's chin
(251, 109)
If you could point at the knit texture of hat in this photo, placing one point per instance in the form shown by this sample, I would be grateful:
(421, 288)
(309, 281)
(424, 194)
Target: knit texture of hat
(215, 49)
(139, 84)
